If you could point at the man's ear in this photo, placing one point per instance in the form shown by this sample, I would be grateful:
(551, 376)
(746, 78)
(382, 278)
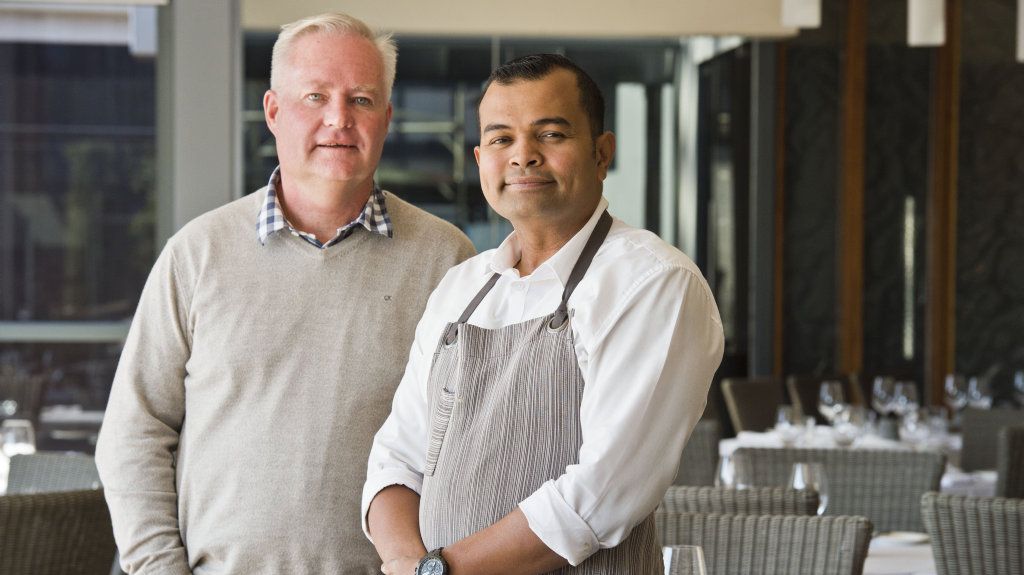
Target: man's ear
(476, 154)
(270, 109)
(604, 150)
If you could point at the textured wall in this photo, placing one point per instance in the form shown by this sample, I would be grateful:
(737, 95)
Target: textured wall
(811, 182)
(897, 108)
(990, 240)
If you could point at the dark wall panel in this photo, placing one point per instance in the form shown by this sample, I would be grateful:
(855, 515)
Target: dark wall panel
(990, 241)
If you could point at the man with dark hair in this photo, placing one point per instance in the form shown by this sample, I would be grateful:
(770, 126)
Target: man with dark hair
(536, 66)
(553, 381)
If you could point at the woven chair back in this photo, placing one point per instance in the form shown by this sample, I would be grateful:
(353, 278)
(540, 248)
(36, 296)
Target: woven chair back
(975, 535)
(65, 533)
(1010, 462)
(45, 472)
(771, 544)
(981, 430)
(752, 403)
(752, 501)
(700, 456)
(884, 486)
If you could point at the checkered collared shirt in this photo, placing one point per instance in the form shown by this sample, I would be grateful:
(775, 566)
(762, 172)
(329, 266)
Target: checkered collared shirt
(374, 217)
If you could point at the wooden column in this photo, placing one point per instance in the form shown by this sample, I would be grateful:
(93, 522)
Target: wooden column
(850, 228)
(940, 306)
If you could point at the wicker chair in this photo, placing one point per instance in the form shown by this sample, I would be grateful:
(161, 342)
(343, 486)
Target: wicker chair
(752, 403)
(1010, 462)
(804, 390)
(66, 533)
(884, 486)
(771, 544)
(753, 501)
(45, 472)
(700, 456)
(975, 535)
(981, 428)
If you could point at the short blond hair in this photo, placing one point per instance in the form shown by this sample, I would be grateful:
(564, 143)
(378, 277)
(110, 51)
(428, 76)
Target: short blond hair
(334, 23)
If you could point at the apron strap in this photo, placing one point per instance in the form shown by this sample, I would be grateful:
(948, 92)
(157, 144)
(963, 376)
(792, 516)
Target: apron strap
(580, 269)
(453, 329)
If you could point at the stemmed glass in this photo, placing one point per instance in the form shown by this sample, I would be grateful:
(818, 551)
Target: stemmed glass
(904, 398)
(914, 428)
(830, 400)
(882, 395)
(849, 425)
(17, 437)
(956, 392)
(979, 395)
(811, 476)
(684, 560)
(956, 395)
(730, 475)
(787, 424)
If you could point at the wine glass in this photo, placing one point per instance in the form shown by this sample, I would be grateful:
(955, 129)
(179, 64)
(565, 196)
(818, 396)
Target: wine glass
(730, 474)
(684, 560)
(881, 395)
(904, 397)
(979, 395)
(1018, 386)
(849, 425)
(914, 429)
(811, 476)
(830, 400)
(17, 437)
(956, 392)
(788, 424)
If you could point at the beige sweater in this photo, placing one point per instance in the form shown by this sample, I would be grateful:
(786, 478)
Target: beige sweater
(249, 389)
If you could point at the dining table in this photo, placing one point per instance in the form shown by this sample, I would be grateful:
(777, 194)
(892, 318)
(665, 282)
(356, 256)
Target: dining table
(897, 553)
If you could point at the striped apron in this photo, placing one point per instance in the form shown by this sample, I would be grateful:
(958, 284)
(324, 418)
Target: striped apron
(504, 410)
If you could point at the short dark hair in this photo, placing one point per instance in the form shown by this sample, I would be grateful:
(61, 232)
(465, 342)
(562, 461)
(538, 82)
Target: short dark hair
(537, 66)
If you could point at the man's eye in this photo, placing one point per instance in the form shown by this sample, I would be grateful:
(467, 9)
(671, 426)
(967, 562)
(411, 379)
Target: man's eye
(315, 97)
(500, 140)
(362, 101)
(553, 135)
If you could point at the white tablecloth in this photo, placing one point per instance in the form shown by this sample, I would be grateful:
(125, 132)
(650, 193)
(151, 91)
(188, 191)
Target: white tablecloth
(888, 555)
(956, 481)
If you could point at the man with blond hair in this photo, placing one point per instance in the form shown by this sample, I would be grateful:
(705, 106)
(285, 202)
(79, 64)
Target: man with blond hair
(271, 335)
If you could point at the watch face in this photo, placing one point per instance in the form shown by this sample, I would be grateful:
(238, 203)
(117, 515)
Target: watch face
(431, 567)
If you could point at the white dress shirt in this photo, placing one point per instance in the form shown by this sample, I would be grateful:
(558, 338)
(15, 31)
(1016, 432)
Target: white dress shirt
(648, 340)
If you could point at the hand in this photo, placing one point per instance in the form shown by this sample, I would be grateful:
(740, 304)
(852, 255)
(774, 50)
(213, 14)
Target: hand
(401, 566)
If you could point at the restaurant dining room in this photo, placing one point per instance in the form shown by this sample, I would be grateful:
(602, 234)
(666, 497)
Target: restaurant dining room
(844, 174)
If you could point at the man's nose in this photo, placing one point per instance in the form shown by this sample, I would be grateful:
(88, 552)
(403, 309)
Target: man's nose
(526, 153)
(338, 115)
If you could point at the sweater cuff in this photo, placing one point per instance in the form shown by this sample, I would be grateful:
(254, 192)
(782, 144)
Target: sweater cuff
(378, 481)
(558, 525)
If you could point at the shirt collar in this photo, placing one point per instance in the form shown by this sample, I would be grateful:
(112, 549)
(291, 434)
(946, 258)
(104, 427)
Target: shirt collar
(270, 220)
(507, 255)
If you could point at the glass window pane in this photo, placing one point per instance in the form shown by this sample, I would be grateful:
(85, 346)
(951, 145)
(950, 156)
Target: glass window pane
(77, 195)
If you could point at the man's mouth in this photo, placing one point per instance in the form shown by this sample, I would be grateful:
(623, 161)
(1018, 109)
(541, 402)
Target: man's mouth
(528, 182)
(335, 145)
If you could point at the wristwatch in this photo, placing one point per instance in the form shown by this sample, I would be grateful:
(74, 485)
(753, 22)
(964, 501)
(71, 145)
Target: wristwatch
(432, 564)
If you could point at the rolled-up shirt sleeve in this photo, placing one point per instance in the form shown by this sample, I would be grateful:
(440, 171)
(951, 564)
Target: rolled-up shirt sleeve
(647, 368)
